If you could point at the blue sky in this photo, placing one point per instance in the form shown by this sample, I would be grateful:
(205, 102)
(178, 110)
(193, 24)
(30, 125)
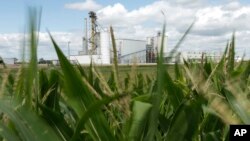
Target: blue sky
(215, 22)
(54, 16)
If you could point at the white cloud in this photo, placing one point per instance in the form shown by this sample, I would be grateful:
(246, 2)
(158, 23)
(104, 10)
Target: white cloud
(188, 3)
(46, 48)
(11, 45)
(88, 5)
(214, 26)
(176, 15)
(112, 15)
(214, 23)
(232, 6)
(149, 18)
(218, 20)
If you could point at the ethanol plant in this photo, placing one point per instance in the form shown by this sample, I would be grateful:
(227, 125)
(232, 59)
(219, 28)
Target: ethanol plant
(98, 48)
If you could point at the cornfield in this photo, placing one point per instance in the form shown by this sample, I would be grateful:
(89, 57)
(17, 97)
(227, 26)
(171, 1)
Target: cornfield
(197, 102)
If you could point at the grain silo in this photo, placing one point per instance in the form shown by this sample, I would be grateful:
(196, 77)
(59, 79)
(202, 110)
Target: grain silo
(158, 43)
(105, 47)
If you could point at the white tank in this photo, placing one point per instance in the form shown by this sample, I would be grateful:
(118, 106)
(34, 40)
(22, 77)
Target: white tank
(105, 44)
(149, 41)
(158, 41)
(85, 46)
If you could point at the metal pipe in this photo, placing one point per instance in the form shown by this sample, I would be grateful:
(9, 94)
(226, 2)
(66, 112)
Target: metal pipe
(86, 36)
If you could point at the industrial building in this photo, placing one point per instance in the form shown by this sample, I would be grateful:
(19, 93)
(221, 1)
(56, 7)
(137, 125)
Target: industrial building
(97, 47)
(9, 61)
(130, 51)
(196, 56)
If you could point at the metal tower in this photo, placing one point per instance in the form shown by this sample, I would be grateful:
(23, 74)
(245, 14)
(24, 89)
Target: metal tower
(93, 18)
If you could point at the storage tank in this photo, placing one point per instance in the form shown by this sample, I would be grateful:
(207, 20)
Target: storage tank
(150, 41)
(97, 43)
(85, 47)
(158, 41)
(105, 44)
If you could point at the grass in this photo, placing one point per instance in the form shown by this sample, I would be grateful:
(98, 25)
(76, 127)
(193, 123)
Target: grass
(194, 101)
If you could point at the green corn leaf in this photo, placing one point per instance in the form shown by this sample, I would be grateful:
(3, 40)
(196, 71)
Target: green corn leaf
(185, 122)
(115, 60)
(57, 121)
(236, 106)
(54, 96)
(246, 73)
(7, 134)
(140, 112)
(91, 76)
(231, 55)
(175, 94)
(211, 128)
(29, 126)
(44, 83)
(178, 73)
(80, 96)
(31, 86)
(89, 113)
(82, 71)
(156, 96)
